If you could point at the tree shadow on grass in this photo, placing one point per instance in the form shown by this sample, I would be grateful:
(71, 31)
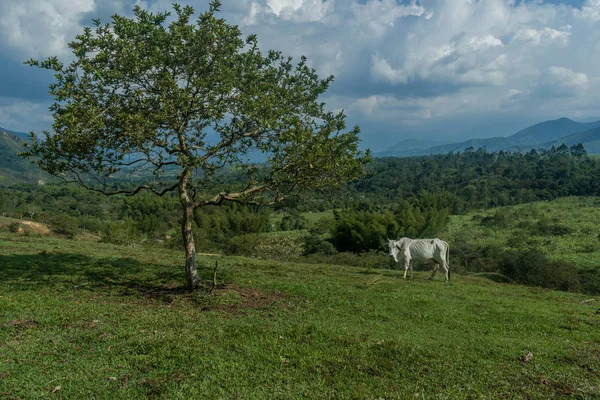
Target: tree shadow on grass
(121, 277)
(118, 275)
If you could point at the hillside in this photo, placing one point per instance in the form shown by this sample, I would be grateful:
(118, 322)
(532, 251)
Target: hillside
(590, 139)
(14, 169)
(409, 147)
(121, 327)
(542, 135)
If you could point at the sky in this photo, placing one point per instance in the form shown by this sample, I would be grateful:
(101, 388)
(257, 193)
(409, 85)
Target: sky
(441, 70)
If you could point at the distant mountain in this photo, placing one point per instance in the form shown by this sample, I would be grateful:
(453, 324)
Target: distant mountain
(14, 169)
(22, 135)
(590, 140)
(408, 147)
(542, 135)
(550, 130)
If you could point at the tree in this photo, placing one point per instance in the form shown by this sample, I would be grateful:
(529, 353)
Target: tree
(183, 101)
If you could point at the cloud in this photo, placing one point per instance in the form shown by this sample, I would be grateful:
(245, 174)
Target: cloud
(40, 28)
(590, 10)
(399, 65)
(544, 36)
(562, 82)
(381, 70)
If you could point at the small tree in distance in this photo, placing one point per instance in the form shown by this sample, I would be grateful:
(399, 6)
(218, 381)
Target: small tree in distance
(190, 98)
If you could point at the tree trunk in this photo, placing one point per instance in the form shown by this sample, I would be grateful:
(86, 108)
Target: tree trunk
(191, 272)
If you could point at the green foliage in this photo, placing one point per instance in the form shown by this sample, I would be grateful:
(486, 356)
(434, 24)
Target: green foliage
(14, 227)
(63, 224)
(545, 227)
(366, 228)
(315, 243)
(480, 180)
(275, 246)
(122, 232)
(217, 223)
(548, 244)
(146, 92)
(358, 231)
(534, 268)
(293, 220)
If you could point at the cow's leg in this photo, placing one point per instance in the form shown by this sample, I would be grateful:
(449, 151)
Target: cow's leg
(406, 266)
(446, 268)
(436, 266)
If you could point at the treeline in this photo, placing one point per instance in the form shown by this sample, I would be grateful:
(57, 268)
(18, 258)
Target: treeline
(478, 179)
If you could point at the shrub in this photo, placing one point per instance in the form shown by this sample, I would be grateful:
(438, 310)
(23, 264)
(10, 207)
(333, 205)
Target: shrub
(549, 228)
(370, 259)
(122, 232)
(534, 268)
(590, 281)
(502, 218)
(293, 221)
(269, 247)
(63, 224)
(314, 243)
(14, 227)
(357, 231)
(279, 247)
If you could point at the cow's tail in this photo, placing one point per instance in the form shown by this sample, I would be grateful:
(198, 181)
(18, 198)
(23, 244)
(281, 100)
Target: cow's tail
(448, 260)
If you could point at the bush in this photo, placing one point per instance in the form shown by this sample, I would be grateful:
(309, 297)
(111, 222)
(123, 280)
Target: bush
(121, 232)
(370, 259)
(293, 221)
(14, 227)
(590, 281)
(314, 243)
(502, 218)
(63, 224)
(534, 268)
(357, 231)
(268, 247)
(549, 228)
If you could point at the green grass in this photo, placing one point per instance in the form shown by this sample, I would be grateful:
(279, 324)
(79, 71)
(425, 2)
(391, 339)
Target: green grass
(92, 320)
(581, 215)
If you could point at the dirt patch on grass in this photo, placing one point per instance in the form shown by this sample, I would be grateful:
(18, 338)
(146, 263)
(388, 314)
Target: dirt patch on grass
(32, 227)
(226, 298)
(22, 325)
(253, 297)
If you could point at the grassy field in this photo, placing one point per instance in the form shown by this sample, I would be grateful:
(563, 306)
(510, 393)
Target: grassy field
(92, 320)
(566, 229)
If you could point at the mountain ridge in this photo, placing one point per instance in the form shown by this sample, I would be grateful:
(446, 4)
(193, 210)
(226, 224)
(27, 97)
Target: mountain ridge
(541, 135)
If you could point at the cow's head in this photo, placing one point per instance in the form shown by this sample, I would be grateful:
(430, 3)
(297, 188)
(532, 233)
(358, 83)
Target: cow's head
(393, 249)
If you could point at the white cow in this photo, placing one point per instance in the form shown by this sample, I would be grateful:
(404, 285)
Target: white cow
(435, 250)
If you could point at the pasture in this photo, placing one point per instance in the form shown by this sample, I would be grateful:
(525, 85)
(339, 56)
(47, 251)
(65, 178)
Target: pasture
(565, 229)
(94, 320)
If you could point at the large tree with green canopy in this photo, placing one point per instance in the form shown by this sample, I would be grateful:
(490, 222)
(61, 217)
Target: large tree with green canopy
(191, 97)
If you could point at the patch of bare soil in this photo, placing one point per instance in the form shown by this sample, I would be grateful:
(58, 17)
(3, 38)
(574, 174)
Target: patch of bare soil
(21, 325)
(32, 227)
(253, 297)
(87, 237)
(226, 298)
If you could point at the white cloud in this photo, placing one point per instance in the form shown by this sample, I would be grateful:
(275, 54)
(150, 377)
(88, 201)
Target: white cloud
(560, 81)
(39, 28)
(590, 10)
(544, 36)
(375, 18)
(381, 70)
(401, 63)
